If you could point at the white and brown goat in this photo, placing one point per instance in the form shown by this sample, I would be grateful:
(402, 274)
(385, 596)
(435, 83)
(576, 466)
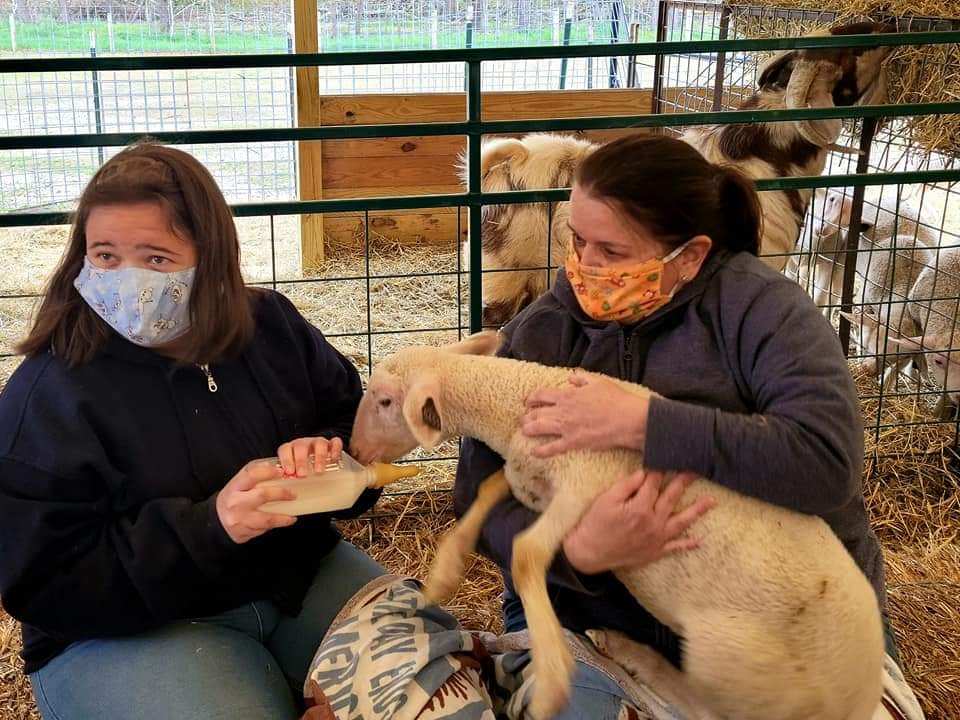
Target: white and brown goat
(516, 236)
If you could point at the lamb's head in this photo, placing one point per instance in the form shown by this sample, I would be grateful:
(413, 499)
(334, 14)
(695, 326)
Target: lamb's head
(832, 210)
(942, 356)
(403, 405)
(829, 77)
(939, 355)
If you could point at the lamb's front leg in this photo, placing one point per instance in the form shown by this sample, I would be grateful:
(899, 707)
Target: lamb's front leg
(533, 552)
(456, 545)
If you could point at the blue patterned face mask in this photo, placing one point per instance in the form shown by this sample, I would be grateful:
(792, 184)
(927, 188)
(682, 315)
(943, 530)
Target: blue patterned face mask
(147, 307)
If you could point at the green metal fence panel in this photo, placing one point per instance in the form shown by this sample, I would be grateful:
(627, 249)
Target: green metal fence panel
(474, 127)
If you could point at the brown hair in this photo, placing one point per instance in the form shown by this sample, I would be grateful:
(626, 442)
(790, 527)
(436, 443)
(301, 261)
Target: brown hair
(667, 187)
(221, 316)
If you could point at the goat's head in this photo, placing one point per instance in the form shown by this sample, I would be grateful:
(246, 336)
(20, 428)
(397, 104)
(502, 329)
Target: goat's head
(516, 236)
(828, 77)
(403, 407)
(535, 162)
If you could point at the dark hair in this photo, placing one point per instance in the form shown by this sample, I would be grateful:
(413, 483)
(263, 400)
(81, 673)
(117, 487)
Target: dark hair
(669, 188)
(221, 315)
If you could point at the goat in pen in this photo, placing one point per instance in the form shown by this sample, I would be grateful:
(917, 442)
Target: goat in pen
(514, 237)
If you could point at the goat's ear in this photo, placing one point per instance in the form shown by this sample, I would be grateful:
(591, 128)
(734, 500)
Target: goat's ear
(423, 411)
(500, 151)
(481, 343)
(776, 72)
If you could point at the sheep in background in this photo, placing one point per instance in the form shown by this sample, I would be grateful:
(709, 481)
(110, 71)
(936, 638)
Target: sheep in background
(913, 316)
(515, 236)
(793, 79)
(777, 619)
(934, 308)
(888, 267)
(826, 241)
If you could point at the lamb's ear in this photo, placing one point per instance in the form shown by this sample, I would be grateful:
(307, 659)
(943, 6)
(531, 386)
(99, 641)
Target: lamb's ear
(859, 318)
(913, 343)
(481, 343)
(423, 411)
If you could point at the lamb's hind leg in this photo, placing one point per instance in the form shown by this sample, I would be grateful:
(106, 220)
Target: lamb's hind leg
(647, 666)
(456, 545)
(533, 552)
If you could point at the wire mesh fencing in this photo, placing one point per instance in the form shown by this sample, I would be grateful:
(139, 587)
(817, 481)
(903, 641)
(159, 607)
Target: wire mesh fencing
(155, 101)
(383, 297)
(898, 305)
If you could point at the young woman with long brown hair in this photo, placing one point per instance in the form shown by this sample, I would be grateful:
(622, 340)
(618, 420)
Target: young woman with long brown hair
(131, 547)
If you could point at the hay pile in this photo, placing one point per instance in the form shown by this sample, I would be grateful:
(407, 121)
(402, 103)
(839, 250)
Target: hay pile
(917, 74)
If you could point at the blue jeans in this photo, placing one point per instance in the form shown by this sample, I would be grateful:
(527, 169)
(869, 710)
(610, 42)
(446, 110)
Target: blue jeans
(248, 663)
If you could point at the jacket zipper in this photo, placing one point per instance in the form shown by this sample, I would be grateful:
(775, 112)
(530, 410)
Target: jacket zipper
(627, 355)
(211, 383)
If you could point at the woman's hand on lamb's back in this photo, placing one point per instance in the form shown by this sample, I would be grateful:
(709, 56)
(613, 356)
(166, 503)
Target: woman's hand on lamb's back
(635, 523)
(590, 413)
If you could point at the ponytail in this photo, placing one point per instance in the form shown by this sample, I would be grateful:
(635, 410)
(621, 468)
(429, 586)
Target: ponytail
(741, 207)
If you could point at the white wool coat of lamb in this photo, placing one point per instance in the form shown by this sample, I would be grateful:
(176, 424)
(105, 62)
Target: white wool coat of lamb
(778, 621)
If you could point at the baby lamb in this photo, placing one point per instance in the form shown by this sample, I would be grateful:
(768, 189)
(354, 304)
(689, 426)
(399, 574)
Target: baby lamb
(778, 621)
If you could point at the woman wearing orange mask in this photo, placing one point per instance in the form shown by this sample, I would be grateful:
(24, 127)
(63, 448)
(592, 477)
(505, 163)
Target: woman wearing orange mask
(663, 287)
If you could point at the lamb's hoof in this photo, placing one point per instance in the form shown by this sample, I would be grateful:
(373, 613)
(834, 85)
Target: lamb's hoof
(546, 703)
(440, 586)
(551, 685)
(444, 578)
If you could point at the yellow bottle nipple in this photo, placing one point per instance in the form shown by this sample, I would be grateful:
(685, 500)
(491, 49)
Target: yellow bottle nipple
(384, 474)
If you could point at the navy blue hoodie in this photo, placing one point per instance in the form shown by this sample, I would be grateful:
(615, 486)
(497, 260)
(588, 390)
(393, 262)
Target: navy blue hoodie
(109, 473)
(757, 396)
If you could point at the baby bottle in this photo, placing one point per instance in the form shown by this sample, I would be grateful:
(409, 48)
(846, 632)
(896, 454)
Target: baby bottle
(336, 487)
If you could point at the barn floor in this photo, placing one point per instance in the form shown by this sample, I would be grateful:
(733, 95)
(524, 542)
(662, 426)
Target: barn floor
(914, 503)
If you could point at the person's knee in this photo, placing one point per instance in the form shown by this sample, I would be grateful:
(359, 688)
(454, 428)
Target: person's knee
(185, 671)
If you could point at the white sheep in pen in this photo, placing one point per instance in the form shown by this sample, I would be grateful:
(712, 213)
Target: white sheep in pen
(778, 621)
(915, 317)
(793, 79)
(826, 241)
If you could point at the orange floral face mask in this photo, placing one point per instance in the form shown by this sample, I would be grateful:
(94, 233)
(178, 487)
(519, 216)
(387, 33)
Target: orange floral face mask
(624, 293)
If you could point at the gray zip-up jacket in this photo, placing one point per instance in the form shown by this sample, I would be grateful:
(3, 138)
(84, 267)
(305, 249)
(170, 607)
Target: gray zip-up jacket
(759, 398)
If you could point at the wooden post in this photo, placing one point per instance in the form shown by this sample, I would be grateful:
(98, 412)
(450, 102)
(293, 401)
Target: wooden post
(309, 162)
(112, 45)
(13, 33)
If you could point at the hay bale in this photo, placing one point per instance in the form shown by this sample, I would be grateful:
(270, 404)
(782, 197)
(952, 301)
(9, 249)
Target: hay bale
(917, 74)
